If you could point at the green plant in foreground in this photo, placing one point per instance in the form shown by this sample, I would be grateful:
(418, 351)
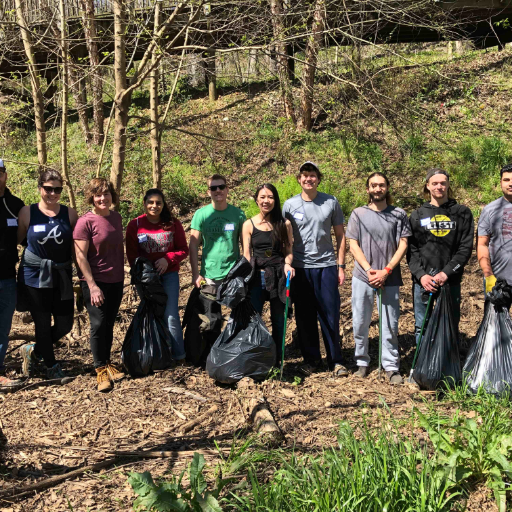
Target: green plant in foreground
(468, 452)
(173, 496)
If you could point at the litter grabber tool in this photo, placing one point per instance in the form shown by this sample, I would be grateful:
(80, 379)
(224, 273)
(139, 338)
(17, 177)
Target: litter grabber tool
(288, 276)
(379, 291)
(420, 338)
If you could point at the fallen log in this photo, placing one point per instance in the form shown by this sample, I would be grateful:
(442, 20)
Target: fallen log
(152, 454)
(19, 492)
(187, 427)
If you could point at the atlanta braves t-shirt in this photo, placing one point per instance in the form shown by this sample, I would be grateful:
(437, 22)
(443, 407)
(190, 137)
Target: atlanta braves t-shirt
(50, 238)
(106, 251)
(220, 230)
(496, 223)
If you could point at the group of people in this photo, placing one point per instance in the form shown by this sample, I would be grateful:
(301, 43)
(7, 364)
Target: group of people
(294, 240)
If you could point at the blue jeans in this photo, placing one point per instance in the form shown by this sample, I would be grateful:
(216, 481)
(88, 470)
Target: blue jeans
(7, 306)
(259, 296)
(420, 307)
(317, 298)
(171, 284)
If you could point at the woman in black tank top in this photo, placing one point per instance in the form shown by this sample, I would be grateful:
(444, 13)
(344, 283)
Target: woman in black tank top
(267, 241)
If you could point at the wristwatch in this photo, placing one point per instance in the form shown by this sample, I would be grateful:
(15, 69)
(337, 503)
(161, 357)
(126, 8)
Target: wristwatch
(342, 266)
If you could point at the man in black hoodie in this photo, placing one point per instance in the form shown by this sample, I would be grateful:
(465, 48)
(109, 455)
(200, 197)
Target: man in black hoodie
(9, 209)
(440, 245)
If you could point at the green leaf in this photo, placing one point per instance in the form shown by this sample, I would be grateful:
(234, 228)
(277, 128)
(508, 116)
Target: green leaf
(208, 503)
(197, 481)
(142, 483)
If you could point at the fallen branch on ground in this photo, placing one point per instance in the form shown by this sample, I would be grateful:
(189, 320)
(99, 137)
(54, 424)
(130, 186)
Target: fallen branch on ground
(180, 391)
(191, 424)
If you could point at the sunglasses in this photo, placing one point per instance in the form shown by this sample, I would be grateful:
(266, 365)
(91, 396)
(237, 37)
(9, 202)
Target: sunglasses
(49, 190)
(215, 187)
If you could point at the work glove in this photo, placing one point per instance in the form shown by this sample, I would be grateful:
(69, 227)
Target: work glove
(490, 282)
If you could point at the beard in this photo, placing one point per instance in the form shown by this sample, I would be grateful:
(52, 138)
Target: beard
(377, 198)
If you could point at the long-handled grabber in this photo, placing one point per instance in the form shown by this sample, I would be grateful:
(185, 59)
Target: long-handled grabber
(420, 338)
(285, 320)
(380, 331)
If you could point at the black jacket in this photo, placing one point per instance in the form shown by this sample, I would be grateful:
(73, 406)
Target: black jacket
(10, 207)
(442, 240)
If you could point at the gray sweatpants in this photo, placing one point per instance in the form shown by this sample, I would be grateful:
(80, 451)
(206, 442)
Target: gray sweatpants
(362, 308)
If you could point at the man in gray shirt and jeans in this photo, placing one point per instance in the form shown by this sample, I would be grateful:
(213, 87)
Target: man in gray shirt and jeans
(377, 235)
(314, 288)
(494, 249)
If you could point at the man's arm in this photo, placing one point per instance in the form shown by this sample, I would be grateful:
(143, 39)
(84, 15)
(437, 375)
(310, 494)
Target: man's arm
(81, 249)
(482, 253)
(195, 241)
(339, 232)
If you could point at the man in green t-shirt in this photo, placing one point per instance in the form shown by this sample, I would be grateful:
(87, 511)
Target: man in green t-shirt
(219, 227)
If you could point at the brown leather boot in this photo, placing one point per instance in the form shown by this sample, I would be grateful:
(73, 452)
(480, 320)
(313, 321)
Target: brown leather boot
(115, 373)
(104, 384)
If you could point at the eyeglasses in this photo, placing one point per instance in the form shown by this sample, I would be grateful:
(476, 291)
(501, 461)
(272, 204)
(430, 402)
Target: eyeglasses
(215, 187)
(49, 190)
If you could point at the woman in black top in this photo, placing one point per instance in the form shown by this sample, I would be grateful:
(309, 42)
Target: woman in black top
(268, 236)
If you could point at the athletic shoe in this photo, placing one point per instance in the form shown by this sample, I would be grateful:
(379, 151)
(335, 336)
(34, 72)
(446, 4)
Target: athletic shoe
(362, 372)
(103, 379)
(9, 385)
(55, 372)
(114, 372)
(31, 363)
(340, 370)
(394, 377)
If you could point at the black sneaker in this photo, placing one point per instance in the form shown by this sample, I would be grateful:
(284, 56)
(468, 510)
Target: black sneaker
(308, 369)
(55, 373)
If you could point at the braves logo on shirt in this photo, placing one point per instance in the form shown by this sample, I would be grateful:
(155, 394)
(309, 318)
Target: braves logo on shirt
(54, 234)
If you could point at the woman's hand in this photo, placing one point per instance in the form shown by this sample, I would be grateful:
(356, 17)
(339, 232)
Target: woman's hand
(161, 265)
(289, 268)
(97, 297)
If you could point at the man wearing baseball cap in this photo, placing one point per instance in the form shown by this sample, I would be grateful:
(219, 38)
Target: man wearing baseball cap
(440, 245)
(9, 208)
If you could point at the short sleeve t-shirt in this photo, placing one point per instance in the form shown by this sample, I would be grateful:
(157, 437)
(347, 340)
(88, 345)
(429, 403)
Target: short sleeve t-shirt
(312, 222)
(220, 230)
(378, 234)
(106, 250)
(496, 222)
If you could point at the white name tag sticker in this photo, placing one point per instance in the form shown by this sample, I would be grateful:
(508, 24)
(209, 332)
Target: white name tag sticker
(143, 237)
(12, 222)
(39, 228)
(229, 227)
(425, 222)
(298, 215)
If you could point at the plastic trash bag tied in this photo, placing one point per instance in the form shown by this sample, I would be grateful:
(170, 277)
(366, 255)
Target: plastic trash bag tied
(438, 358)
(489, 361)
(146, 345)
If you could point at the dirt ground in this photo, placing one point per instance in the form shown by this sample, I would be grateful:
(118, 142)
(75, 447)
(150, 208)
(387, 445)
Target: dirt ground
(51, 430)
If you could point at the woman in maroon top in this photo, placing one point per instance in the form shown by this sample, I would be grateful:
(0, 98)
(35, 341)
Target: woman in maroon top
(158, 236)
(99, 251)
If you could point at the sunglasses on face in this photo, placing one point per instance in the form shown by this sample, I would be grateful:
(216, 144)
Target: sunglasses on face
(49, 190)
(215, 187)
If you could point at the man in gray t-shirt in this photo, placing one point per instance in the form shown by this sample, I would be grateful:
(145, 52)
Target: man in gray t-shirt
(377, 235)
(314, 288)
(494, 248)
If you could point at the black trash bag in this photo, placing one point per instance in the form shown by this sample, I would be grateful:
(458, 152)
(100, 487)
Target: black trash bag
(489, 361)
(438, 357)
(234, 288)
(501, 294)
(202, 323)
(147, 342)
(244, 349)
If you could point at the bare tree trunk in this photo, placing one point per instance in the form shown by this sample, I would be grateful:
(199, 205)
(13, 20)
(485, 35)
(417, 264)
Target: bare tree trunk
(311, 59)
(211, 74)
(153, 100)
(94, 61)
(77, 87)
(37, 94)
(65, 96)
(277, 10)
(122, 100)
